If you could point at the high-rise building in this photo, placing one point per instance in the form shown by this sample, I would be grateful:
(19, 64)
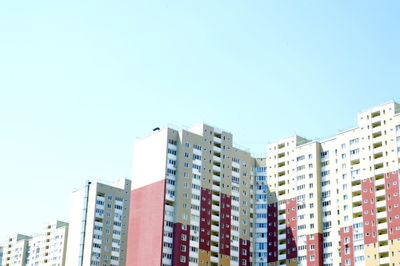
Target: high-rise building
(192, 199)
(46, 248)
(15, 250)
(334, 201)
(197, 199)
(99, 224)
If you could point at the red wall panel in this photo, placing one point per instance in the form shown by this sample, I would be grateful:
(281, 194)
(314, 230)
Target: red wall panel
(272, 233)
(369, 210)
(291, 228)
(314, 248)
(146, 225)
(205, 219)
(180, 248)
(244, 249)
(392, 204)
(225, 225)
(349, 245)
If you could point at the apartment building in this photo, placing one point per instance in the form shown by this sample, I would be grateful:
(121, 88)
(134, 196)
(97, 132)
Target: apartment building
(1, 255)
(99, 224)
(46, 248)
(334, 201)
(197, 199)
(192, 199)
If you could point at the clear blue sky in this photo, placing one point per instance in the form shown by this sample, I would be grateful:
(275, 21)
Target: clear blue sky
(80, 80)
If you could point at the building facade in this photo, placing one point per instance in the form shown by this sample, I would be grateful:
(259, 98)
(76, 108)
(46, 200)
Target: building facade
(99, 224)
(46, 248)
(191, 199)
(335, 201)
(197, 199)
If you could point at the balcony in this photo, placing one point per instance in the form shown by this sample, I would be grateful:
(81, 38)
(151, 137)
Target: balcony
(283, 246)
(377, 145)
(216, 168)
(281, 236)
(217, 149)
(376, 130)
(169, 197)
(378, 150)
(282, 257)
(217, 140)
(214, 238)
(214, 259)
(357, 210)
(375, 116)
(383, 237)
(380, 193)
(215, 208)
(216, 178)
(381, 226)
(384, 249)
(282, 217)
(380, 182)
(217, 159)
(281, 226)
(357, 199)
(281, 164)
(381, 215)
(378, 165)
(214, 228)
(356, 188)
(383, 261)
(381, 204)
(215, 218)
(217, 198)
(378, 161)
(357, 220)
(376, 124)
(214, 249)
(216, 188)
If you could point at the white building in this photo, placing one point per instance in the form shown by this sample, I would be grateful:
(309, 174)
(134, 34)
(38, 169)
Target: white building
(99, 222)
(46, 248)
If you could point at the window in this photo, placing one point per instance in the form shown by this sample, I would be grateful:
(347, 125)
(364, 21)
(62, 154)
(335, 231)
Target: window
(173, 142)
(171, 152)
(197, 147)
(355, 151)
(354, 141)
(300, 158)
(325, 173)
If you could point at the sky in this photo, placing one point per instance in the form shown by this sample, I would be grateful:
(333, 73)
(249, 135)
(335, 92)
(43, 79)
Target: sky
(81, 80)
